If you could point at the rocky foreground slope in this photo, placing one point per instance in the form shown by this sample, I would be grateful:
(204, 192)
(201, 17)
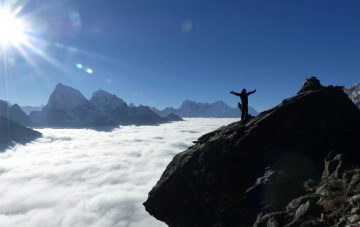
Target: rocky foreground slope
(271, 170)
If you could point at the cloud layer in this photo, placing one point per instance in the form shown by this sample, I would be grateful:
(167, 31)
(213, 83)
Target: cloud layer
(80, 177)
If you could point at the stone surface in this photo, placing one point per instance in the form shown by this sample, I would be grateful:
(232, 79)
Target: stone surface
(238, 172)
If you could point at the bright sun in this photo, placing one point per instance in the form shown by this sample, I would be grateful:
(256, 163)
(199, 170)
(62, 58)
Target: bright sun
(11, 29)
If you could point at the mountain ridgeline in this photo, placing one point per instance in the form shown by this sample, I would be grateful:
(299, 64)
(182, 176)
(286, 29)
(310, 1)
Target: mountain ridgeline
(67, 107)
(218, 109)
(12, 132)
(292, 165)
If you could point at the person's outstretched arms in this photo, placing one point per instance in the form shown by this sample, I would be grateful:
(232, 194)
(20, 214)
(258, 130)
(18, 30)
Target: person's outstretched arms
(251, 92)
(235, 93)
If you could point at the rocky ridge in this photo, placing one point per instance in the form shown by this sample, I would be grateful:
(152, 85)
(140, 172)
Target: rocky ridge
(258, 172)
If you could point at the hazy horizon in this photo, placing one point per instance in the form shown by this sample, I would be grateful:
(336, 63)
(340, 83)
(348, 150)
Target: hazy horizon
(89, 97)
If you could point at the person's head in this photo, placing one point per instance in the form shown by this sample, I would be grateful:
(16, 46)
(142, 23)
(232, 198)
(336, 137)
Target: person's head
(243, 90)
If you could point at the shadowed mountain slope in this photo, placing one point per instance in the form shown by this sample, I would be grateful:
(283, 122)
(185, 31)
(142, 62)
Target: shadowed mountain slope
(11, 131)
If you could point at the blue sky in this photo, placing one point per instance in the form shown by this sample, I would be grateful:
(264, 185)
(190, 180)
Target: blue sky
(161, 52)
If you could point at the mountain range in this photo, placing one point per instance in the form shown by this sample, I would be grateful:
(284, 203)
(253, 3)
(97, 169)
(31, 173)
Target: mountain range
(67, 107)
(191, 108)
(29, 109)
(14, 113)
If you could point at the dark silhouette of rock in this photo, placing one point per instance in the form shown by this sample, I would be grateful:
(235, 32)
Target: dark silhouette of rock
(310, 84)
(11, 131)
(220, 181)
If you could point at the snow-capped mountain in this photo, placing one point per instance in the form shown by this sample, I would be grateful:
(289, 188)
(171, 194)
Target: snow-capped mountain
(354, 93)
(117, 110)
(66, 98)
(106, 101)
(197, 109)
(68, 107)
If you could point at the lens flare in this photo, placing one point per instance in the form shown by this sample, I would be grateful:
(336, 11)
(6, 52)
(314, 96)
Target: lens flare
(79, 66)
(12, 29)
(89, 71)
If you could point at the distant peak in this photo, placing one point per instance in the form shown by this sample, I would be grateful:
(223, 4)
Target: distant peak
(103, 98)
(16, 106)
(101, 92)
(65, 97)
(188, 101)
(219, 102)
(62, 87)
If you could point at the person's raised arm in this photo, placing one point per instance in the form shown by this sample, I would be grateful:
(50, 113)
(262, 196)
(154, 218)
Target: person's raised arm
(235, 93)
(251, 92)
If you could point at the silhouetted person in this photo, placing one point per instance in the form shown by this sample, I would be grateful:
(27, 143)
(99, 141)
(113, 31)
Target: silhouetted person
(243, 106)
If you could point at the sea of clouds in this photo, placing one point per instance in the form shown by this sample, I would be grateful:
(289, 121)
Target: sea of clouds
(84, 177)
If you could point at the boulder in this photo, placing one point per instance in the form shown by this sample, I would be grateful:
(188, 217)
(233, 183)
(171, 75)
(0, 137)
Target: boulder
(220, 180)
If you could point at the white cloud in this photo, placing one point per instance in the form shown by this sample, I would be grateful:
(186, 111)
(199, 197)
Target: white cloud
(80, 177)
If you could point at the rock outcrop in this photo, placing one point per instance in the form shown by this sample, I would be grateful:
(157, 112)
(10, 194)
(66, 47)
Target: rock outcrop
(248, 173)
(334, 201)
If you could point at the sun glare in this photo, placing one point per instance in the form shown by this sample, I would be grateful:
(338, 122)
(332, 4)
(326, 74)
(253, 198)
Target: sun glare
(11, 29)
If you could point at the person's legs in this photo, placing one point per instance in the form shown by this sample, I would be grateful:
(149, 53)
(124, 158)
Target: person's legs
(244, 113)
(239, 105)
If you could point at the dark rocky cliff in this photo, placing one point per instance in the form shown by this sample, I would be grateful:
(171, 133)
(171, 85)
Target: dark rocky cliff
(241, 171)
